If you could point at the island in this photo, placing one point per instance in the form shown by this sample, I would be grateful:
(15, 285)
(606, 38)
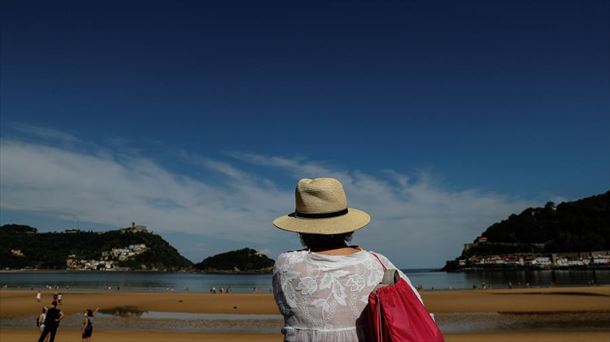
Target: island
(242, 261)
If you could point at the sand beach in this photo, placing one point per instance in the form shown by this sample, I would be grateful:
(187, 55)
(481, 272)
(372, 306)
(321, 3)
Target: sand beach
(535, 314)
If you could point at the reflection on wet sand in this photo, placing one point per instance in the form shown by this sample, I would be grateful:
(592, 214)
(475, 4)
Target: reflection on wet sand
(122, 311)
(133, 318)
(495, 321)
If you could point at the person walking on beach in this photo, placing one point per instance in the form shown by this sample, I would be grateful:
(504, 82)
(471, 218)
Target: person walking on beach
(322, 290)
(38, 296)
(87, 328)
(51, 323)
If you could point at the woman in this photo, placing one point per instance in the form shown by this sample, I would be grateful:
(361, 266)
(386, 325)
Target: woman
(322, 291)
(87, 329)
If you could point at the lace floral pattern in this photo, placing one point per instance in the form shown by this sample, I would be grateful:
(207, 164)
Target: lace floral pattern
(323, 297)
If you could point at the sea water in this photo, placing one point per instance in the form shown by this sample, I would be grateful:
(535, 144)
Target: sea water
(158, 281)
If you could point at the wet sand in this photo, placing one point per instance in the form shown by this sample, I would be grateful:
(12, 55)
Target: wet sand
(28, 335)
(536, 302)
(70, 335)
(20, 302)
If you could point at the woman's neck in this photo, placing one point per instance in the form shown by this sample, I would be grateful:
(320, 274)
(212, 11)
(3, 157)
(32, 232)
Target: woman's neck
(338, 250)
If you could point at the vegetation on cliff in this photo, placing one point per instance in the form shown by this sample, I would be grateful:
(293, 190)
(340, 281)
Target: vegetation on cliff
(582, 225)
(22, 246)
(245, 260)
(570, 227)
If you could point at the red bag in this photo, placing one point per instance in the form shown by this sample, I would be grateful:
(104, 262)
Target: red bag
(397, 315)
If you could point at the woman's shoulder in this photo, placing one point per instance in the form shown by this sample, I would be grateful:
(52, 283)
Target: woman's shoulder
(378, 256)
(291, 256)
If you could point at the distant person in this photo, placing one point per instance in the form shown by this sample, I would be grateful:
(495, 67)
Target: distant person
(322, 290)
(87, 328)
(40, 321)
(41, 318)
(38, 296)
(60, 296)
(51, 322)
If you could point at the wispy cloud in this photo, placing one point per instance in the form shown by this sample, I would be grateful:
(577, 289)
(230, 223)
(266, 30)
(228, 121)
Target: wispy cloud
(225, 169)
(416, 221)
(45, 133)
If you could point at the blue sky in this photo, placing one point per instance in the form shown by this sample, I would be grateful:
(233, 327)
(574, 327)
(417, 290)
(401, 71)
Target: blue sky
(196, 119)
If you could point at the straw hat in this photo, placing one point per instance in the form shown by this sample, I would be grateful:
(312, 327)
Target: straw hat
(321, 208)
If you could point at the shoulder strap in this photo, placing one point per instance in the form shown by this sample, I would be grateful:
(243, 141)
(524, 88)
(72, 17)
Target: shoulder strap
(377, 257)
(390, 276)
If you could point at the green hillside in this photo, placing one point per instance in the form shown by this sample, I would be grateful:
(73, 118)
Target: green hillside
(582, 225)
(22, 246)
(570, 227)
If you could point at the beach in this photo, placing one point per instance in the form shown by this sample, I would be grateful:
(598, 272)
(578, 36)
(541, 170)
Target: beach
(534, 314)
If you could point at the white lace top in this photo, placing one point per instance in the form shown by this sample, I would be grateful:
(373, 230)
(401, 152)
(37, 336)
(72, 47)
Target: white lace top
(323, 297)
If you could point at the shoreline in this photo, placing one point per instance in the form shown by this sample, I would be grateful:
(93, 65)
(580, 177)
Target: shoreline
(509, 268)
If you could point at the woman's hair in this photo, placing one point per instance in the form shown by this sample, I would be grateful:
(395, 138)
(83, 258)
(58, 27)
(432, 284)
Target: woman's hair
(89, 312)
(313, 241)
(44, 310)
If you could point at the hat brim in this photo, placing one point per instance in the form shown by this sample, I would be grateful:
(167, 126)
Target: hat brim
(352, 221)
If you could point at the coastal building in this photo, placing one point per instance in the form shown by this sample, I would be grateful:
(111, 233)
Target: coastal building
(481, 239)
(17, 252)
(601, 261)
(134, 229)
(109, 259)
(540, 262)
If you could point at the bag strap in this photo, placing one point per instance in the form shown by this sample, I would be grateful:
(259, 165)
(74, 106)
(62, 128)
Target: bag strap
(390, 276)
(377, 257)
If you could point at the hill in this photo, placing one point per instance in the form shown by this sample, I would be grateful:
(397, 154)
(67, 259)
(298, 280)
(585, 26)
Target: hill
(245, 260)
(570, 227)
(129, 248)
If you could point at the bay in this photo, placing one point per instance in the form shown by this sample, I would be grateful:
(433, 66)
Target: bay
(156, 281)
